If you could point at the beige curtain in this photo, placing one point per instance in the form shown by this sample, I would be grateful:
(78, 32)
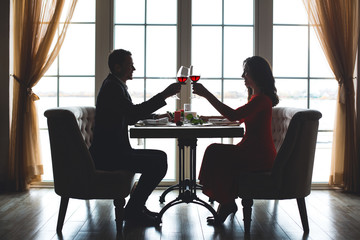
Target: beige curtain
(357, 107)
(35, 25)
(337, 27)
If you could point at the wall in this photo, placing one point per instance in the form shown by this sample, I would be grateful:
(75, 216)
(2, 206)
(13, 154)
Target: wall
(4, 88)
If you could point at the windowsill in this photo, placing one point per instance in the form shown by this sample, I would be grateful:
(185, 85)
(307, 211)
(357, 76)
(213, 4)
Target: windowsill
(164, 185)
(43, 184)
(324, 186)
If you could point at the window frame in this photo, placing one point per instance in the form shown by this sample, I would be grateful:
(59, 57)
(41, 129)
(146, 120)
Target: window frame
(104, 42)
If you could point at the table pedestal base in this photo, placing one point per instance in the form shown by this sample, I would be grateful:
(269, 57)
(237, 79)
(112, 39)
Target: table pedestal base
(187, 187)
(175, 187)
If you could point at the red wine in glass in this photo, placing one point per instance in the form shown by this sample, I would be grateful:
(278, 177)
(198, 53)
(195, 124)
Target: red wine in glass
(195, 78)
(182, 80)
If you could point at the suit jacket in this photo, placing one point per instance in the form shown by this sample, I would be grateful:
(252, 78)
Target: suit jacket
(114, 112)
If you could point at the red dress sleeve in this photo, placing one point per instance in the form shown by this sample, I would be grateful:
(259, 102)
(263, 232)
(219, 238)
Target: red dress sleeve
(256, 104)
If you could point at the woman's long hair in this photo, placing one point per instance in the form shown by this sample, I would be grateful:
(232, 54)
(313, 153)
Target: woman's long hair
(260, 71)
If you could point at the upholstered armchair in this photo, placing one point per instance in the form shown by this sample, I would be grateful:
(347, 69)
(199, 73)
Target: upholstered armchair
(70, 132)
(294, 134)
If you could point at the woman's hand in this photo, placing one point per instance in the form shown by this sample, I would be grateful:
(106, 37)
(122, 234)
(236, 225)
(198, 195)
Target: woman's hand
(199, 89)
(204, 118)
(222, 108)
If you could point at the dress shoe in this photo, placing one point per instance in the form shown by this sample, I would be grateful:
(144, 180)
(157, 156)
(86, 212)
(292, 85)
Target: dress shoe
(139, 218)
(223, 212)
(150, 213)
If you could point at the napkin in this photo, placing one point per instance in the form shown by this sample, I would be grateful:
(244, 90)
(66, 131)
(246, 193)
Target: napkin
(160, 121)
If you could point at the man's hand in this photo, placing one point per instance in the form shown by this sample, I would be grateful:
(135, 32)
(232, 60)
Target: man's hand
(168, 115)
(172, 89)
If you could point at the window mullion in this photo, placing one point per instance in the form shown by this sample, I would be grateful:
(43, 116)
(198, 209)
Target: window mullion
(104, 41)
(184, 45)
(184, 59)
(222, 51)
(263, 29)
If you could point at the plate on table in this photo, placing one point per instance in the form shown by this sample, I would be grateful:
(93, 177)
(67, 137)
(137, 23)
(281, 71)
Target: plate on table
(223, 122)
(153, 122)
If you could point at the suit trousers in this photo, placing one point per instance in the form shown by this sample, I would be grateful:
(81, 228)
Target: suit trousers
(152, 164)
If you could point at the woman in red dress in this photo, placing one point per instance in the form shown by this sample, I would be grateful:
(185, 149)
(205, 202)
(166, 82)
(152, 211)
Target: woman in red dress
(256, 151)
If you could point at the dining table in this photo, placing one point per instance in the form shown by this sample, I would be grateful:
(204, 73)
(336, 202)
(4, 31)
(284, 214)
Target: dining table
(187, 136)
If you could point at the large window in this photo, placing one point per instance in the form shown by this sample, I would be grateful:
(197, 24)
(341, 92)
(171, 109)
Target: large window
(303, 76)
(222, 37)
(71, 79)
(214, 36)
(149, 30)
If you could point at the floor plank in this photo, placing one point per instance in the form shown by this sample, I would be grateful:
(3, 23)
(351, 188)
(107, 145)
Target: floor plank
(33, 215)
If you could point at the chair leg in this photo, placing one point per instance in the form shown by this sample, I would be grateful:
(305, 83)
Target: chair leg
(119, 213)
(62, 212)
(247, 204)
(303, 214)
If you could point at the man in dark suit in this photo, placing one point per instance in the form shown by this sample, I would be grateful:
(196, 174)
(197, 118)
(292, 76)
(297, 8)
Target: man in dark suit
(111, 149)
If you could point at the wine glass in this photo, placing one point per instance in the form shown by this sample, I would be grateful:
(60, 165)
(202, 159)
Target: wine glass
(182, 74)
(194, 76)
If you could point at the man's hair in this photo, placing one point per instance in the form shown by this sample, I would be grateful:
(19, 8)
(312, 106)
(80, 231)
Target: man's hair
(117, 56)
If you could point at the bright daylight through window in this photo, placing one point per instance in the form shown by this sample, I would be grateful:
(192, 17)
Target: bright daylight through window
(222, 35)
(71, 79)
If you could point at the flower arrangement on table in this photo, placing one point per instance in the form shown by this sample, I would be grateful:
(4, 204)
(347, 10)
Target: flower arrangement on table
(194, 120)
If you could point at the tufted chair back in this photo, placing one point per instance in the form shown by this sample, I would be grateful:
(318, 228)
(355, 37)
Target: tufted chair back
(85, 117)
(71, 133)
(294, 134)
(279, 125)
(75, 176)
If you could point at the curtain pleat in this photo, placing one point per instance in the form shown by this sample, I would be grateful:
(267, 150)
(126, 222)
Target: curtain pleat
(35, 25)
(337, 27)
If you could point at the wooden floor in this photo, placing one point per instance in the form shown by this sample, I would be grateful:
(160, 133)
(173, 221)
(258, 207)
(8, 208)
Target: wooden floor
(33, 215)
